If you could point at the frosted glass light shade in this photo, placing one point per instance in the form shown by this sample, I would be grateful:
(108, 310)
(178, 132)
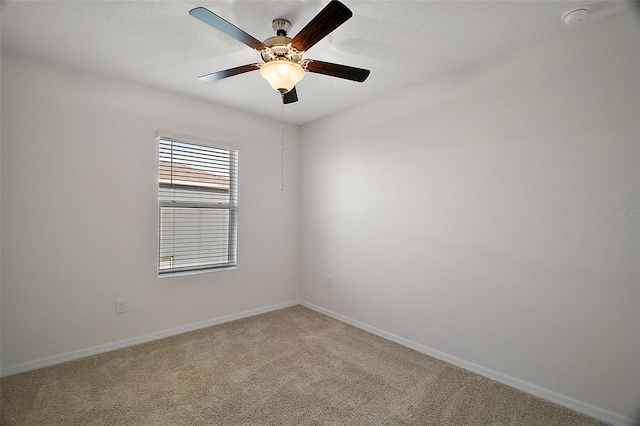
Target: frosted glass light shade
(282, 75)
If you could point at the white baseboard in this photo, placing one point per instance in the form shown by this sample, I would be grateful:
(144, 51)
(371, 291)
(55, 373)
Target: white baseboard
(549, 395)
(107, 347)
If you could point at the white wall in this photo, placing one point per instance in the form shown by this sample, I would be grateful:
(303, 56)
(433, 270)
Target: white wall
(469, 214)
(79, 212)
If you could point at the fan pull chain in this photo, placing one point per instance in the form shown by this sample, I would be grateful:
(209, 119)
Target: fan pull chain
(282, 145)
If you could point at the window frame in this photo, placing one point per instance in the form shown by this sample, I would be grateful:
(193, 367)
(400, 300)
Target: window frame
(231, 206)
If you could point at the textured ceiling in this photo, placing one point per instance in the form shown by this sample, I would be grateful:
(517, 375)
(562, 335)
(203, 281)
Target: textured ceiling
(157, 43)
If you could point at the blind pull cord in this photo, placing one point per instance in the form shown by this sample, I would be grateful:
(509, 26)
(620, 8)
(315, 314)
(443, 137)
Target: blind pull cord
(282, 145)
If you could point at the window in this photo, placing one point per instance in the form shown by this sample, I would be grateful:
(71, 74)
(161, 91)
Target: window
(197, 206)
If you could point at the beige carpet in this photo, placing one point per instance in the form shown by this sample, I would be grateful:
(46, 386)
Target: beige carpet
(288, 367)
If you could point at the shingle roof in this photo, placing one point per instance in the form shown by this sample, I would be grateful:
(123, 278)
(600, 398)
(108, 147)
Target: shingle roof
(179, 172)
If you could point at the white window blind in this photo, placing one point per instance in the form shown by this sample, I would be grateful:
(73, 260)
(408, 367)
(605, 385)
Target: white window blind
(198, 207)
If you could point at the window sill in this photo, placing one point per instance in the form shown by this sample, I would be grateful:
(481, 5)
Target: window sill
(195, 272)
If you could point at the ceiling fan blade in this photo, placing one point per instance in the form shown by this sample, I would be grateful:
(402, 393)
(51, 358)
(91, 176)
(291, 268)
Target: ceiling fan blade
(336, 70)
(219, 75)
(290, 97)
(210, 18)
(329, 18)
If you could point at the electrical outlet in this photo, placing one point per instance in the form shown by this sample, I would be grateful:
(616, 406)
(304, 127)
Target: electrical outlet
(121, 306)
(329, 281)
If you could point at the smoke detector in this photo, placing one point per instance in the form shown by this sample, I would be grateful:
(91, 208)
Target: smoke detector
(574, 16)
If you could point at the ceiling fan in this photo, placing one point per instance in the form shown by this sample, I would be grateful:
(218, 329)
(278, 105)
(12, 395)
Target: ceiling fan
(283, 65)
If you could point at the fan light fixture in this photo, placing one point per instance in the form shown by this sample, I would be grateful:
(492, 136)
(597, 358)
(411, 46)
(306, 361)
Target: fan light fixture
(282, 75)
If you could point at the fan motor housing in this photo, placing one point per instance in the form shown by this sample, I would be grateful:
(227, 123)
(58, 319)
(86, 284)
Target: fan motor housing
(279, 48)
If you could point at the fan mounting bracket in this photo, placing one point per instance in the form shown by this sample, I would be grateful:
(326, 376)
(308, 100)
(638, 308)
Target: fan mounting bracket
(281, 26)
